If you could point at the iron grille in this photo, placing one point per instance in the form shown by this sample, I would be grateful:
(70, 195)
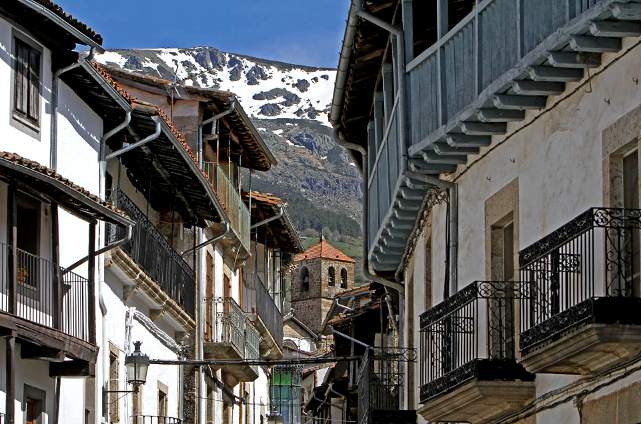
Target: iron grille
(595, 255)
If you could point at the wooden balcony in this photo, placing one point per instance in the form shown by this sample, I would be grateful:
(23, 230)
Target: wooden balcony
(267, 319)
(51, 310)
(502, 61)
(230, 335)
(232, 202)
(467, 359)
(582, 315)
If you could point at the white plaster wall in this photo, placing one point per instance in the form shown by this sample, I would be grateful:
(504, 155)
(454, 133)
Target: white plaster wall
(14, 139)
(169, 375)
(558, 162)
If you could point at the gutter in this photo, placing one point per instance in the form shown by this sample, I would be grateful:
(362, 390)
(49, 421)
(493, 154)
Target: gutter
(53, 158)
(61, 22)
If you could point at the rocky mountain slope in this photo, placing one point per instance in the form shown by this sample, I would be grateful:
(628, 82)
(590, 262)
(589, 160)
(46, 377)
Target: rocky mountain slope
(289, 105)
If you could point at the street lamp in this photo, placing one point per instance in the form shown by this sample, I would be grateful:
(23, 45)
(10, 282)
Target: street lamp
(137, 364)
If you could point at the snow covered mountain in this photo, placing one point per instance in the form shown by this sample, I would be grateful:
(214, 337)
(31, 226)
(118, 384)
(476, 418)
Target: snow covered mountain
(267, 89)
(289, 105)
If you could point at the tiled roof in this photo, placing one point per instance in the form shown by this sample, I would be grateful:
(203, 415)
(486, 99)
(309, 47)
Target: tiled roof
(80, 26)
(50, 173)
(323, 250)
(139, 104)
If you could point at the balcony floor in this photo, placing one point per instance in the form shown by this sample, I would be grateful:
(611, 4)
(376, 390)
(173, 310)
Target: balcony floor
(602, 332)
(478, 392)
(226, 350)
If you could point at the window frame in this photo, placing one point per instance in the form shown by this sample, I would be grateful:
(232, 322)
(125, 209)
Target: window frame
(19, 119)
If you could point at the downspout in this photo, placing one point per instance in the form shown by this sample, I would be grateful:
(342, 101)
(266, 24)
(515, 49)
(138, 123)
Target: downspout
(53, 159)
(102, 250)
(211, 120)
(101, 300)
(152, 137)
(452, 224)
(367, 270)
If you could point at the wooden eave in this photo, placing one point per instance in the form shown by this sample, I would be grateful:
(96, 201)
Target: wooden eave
(165, 168)
(279, 234)
(249, 145)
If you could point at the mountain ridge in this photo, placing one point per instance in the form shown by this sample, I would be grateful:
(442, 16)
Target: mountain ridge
(289, 105)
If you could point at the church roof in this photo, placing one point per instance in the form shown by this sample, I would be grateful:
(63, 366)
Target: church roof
(323, 250)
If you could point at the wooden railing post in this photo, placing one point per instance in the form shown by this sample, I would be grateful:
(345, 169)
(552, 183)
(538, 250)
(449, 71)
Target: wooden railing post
(12, 251)
(91, 286)
(55, 265)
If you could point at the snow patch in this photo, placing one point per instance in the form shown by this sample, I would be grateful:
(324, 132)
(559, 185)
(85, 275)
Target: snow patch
(278, 132)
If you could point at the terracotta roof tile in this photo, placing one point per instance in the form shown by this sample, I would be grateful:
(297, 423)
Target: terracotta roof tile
(323, 250)
(35, 166)
(80, 26)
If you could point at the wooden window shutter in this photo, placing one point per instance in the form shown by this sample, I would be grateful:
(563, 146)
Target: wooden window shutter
(27, 82)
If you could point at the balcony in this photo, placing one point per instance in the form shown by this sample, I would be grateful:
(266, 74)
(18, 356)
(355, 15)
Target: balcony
(232, 202)
(230, 335)
(503, 60)
(582, 315)
(380, 380)
(53, 310)
(468, 368)
(152, 419)
(268, 321)
(153, 254)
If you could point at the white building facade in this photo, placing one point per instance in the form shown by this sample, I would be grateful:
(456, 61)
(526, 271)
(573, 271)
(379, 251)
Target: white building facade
(510, 219)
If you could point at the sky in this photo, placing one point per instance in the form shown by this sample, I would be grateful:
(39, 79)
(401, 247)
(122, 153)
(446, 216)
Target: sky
(307, 32)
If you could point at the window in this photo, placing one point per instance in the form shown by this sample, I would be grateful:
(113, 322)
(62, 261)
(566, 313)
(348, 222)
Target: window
(427, 299)
(304, 278)
(501, 307)
(113, 385)
(286, 393)
(34, 401)
(343, 278)
(331, 277)
(162, 400)
(26, 83)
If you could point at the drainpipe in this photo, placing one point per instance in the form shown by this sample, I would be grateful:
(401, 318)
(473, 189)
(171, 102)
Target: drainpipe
(213, 120)
(280, 213)
(452, 224)
(100, 251)
(54, 107)
(368, 271)
(137, 144)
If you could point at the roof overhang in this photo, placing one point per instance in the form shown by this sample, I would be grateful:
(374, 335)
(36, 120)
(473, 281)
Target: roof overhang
(280, 233)
(73, 198)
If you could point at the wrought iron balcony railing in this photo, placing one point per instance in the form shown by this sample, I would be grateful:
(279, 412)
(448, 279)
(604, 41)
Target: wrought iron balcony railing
(232, 202)
(65, 308)
(596, 255)
(153, 253)
(380, 380)
(468, 335)
(153, 419)
(225, 322)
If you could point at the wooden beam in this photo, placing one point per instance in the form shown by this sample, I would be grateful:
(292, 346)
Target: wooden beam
(442, 147)
(34, 351)
(585, 43)
(91, 284)
(75, 368)
(574, 60)
(626, 11)
(57, 275)
(549, 73)
(431, 157)
(510, 101)
(615, 29)
(538, 88)
(500, 115)
(12, 252)
(483, 128)
(463, 140)
(10, 376)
